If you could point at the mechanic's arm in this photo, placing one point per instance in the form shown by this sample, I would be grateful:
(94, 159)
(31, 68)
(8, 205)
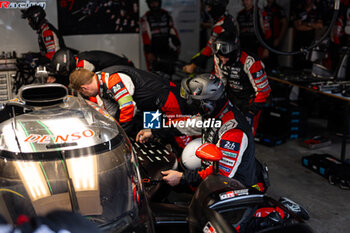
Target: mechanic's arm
(258, 79)
(122, 89)
(51, 42)
(147, 42)
(233, 143)
(205, 53)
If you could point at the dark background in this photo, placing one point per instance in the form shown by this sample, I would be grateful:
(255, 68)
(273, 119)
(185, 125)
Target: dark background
(97, 17)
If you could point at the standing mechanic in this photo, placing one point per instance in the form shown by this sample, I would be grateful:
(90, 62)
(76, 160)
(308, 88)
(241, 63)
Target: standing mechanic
(222, 22)
(50, 40)
(275, 27)
(244, 76)
(64, 62)
(131, 89)
(157, 31)
(233, 137)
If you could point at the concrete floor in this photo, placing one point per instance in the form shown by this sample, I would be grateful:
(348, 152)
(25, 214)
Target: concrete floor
(328, 205)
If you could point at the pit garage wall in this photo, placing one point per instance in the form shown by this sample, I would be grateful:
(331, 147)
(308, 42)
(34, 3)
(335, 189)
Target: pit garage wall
(16, 35)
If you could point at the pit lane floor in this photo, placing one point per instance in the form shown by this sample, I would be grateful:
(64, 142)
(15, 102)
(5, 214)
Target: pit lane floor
(328, 205)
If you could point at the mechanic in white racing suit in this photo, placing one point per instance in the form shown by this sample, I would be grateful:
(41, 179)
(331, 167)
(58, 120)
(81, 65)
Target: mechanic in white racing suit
(233, 136)
(244, 76)
(50, 40)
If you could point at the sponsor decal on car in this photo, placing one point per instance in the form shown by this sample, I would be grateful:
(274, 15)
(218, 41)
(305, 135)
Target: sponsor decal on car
(234, 193)
(46, 139)
(208, 228)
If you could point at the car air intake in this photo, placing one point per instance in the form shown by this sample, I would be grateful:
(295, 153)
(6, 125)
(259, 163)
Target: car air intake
(43, 94)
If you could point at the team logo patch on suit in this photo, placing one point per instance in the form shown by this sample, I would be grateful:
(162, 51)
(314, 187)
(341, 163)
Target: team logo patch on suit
(261, 79)
(117, 87)
(126, 104)
(229, 154)
(229, 145)
(122, 92)
(262, 85)
(231, 124)
(48, 38)
(225, 169)
(228, 162)
(258, 74)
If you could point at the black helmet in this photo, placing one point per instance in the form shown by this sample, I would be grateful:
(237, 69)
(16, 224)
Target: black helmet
(227, 45)
(154, 8)
(35, 15)
(63, 62)
(218, 7)
(205, 88)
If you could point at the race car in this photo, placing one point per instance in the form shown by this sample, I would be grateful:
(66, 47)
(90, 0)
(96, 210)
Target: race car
(62, 152)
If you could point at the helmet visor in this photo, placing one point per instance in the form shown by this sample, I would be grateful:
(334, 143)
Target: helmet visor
(224, 48)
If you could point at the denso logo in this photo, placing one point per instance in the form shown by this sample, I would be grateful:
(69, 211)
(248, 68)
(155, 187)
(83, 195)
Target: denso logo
(20, 5)
(46, 139)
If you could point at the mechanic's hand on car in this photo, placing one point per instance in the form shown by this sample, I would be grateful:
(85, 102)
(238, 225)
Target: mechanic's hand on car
(172, 177)
(189, 68)
(50, 79)
(144, 135)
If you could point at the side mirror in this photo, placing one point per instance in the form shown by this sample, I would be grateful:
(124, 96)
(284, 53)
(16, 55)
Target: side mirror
(210, 152)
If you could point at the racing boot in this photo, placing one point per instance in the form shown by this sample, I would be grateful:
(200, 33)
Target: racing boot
(297, 209)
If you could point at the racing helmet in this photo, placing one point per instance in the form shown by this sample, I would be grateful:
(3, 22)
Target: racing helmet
(188, 156)
(218, 7)
(227, 45)
(63, 62)
(36, 16)
(154, 8)
(206, 89)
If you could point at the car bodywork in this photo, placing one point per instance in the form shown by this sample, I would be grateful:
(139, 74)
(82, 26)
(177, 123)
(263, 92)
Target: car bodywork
(62, 152)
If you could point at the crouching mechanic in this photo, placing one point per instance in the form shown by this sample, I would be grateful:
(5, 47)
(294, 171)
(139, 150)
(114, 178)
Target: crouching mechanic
(244, 76)
(131, 89)
(233, 136)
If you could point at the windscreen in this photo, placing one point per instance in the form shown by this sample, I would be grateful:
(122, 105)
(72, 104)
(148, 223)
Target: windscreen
(103, 185)
(67, 157)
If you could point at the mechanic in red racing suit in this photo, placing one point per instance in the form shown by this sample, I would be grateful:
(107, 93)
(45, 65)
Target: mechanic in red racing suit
(230, 132)
(222, 22)
(244, 76)
(64, 62)
(161, 42)
(50, 40)
(131, 89)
